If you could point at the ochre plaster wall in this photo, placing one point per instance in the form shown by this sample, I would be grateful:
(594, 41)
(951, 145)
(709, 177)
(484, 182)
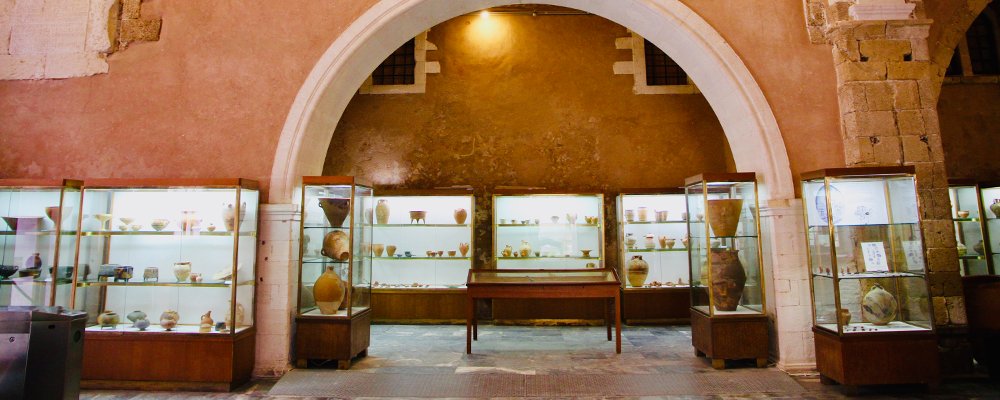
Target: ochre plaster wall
(970, 124)
(208, 100)
(528, 101)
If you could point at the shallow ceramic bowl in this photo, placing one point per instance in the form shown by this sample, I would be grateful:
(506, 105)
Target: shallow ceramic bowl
(7, 270)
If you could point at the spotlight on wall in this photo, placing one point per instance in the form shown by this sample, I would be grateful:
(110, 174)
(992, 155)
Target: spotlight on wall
(484, 14)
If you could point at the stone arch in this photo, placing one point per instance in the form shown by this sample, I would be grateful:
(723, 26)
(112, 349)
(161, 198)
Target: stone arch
(956, 25)
(726, 83)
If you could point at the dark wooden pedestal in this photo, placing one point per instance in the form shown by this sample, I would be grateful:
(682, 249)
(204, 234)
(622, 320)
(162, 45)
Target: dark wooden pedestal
(730, 338)
(325, 338)
(668, 305)
(167, 361)
(419, 306)
(883, 359)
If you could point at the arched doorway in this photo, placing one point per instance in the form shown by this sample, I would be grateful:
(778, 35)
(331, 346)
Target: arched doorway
(726, 83)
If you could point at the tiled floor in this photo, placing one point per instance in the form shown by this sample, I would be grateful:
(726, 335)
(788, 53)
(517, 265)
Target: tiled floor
(545, 351)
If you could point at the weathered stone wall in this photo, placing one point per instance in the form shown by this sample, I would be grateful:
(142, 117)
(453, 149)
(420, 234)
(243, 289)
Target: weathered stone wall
(53, 38)
(536, 105)
(970, 124)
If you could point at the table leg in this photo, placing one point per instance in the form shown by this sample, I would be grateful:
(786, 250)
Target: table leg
(607, 316)
(618, 323)
(468, 325)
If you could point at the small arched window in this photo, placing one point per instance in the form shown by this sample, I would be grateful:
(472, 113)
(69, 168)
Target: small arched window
(978, 53)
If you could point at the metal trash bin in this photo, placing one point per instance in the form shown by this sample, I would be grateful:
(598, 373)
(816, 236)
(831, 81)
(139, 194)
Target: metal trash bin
(41, 352)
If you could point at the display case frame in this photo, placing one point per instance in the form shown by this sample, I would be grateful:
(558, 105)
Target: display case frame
(440, 303)
(864, 353)
(990, 212)
(232, 341)
(972, 223)
(721, 245)
(45, 288)
(669, 301)
(588, 204)
(323, 332)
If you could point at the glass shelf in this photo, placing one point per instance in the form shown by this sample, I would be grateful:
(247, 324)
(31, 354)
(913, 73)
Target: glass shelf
(18, 281)
(37, 233)
(553, 238)
(422, 225)
(654, 250)
(547, 258)
(872, 275)
(679, 221)
(225, 284)
(167, 233)
(544, 225)
(405, 258)
(966, 219)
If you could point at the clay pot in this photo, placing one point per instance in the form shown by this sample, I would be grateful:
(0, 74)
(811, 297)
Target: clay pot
(377, 249)
(630, 240)
(663, 241)
(525, 248)
(980, 248)
(417, 215)
(382, 212)
(995, 208)
(135, 316)
(671, 243)
(630, 215)
(460, 216)
(844, 317)
(141, 324)
(206, 322)
(507, 251)
(463, 248)
(239, 316)
(151, 274)
(451, 253)
(329, 292)
(638, 270)
(182, 271)
(962, 214)
(34, 261)
(724, 216)
(390, 250)
(642, 213)
(650, 241)
(878, 306)
(585, 253)
(159, 224)
(337, 245)
(728, 279)
(335, 209)
(108, 319)
(229, 217)
(661, 216)
(168, 319)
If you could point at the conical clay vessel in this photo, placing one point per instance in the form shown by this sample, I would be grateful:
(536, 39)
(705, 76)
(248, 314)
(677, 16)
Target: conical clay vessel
(724, 216)
(336, 210)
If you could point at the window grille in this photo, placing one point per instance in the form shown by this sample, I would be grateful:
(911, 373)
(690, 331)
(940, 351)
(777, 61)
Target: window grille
(661, 70)
(398, 68)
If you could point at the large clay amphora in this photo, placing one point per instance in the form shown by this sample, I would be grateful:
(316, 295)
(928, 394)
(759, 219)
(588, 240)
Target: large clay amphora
(229, 216)
(337, 245)
(728, 279)
(382, 212)
(336, 210)
(638, 270)
(878, 306)
(724, 216)
(328, 291)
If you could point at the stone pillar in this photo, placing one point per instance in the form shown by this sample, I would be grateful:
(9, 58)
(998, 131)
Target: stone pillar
(784, 253)
(888, 105)
(277, 271)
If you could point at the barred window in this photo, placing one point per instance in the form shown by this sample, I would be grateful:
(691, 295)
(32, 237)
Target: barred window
(398, 68)
(982, 41)
(661, 70)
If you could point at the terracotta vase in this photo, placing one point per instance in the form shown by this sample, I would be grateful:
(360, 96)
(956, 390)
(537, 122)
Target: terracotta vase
(629, 240)
(638, 270)
(463, 248)
(642, 213)
(329, 292)
(377, 249)
(995, 208)
(728, 279)
(337, 245)
(724, 216)
(390, 250)
(229, 217)
(650, 241)
(878, 306)
(507, 251)
(461, 215)
(335, 209)
(382, 212)
(240, 312)
(206, 322)
(663, 242)
(169, 319)
(525, 248)
(844, 317)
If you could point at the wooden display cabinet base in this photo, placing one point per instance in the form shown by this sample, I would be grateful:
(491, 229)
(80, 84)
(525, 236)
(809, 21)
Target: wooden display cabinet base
(667, 305)
(883, 359)
(730, 338)
(325, 338)
(418, 305)
(167, 361)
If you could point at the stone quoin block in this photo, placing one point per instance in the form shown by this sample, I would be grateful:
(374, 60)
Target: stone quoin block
(888, 151)
(910, 122)
(861, 71)
(135, 30)
(878, 96)
(909, 70)
(906, 95)
(916, 148)
(885, 50)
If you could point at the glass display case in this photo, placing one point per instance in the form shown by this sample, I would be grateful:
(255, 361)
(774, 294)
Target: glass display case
(724, 255)
(39, 240)
(423, 239)
(543, 230)
(168, 266)
(726, 272)
(990, 210)
(653, 236)
(868, 276)
(334, 302)
(974, 250)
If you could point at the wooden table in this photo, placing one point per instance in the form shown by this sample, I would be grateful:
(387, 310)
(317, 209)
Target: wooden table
(544, 284)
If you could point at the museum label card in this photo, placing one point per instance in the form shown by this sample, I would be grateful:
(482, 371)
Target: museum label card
(914, 255)
(875, 259)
